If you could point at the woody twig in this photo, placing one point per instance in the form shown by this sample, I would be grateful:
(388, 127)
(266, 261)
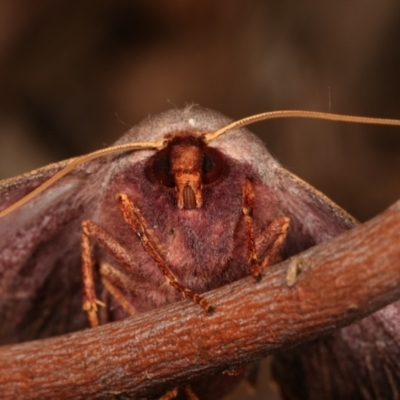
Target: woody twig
(312, 294)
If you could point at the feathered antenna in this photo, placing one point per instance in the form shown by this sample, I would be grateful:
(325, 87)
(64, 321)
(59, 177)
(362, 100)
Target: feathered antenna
(75, 162)
(209, 137)
(299, 114)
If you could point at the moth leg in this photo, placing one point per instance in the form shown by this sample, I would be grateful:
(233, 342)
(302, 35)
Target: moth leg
(138, 225)
(274, 235)
(189, 393)
(90, 300)
(92, 230)
(112, 279)
(171, 394)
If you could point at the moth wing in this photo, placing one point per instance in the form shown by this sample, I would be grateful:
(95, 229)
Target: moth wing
(39, 254)
(338, 365)
(314, 217)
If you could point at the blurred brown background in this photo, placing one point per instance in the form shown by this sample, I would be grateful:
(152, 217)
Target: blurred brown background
(74, 75)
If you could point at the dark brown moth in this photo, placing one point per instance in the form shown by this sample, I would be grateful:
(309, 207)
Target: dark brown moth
(186, 202)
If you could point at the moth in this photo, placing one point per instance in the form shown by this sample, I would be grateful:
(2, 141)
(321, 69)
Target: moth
(185, 202)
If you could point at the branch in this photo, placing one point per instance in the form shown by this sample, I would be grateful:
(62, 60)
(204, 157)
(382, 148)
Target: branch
(314, 293)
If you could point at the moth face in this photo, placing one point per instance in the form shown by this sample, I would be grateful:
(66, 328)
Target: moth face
(187, 164)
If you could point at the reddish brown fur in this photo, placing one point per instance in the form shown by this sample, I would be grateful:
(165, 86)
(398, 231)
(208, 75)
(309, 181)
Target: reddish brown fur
(205, 248)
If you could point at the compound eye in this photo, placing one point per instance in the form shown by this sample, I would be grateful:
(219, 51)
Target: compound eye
(213, 165)
(162, 168)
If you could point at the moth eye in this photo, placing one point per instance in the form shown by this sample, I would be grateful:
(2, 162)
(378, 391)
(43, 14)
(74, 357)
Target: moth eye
(213, 165)
(162, 168)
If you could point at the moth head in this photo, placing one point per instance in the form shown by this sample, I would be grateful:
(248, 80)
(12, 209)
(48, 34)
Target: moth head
(187, 164)
(172, 166)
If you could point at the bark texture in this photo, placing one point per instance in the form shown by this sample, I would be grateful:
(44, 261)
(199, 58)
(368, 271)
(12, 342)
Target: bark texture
(315, 293)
